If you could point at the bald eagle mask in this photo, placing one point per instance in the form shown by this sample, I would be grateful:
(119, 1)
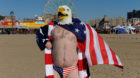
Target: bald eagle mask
(64, 15)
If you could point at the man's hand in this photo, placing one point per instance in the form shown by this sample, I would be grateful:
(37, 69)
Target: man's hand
(48, 45)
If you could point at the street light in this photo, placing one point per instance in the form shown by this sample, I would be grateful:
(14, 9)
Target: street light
(12, 14)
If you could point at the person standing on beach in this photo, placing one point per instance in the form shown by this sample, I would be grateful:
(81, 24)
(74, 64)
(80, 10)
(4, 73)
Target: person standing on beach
(71, 47)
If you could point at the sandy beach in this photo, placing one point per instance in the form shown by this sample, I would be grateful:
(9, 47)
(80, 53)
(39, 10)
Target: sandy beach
(20, 57)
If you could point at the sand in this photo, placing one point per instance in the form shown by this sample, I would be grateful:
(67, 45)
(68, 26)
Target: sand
(20, 57)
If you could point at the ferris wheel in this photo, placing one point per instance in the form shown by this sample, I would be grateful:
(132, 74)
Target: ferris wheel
(51, 7)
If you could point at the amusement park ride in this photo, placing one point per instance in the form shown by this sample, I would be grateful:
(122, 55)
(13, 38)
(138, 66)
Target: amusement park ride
(51, 7)
(49, 13)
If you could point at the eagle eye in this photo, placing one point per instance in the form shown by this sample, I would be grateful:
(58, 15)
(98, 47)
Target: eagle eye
(67, 9)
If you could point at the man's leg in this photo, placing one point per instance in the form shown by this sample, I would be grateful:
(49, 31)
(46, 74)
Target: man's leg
(56, 74)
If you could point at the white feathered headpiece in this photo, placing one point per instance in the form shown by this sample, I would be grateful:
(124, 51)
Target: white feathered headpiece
(64, 15)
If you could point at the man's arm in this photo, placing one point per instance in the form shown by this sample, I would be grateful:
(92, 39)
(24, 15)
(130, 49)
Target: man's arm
(42, 38)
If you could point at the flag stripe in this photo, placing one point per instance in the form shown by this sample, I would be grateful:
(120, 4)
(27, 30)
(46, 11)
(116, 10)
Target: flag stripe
(49, 70)
(114, 57)
(47, 59)
(51, 76)
(67, 70)
(109, 53)
(87, 53)
(97, 47)
(49, 37)
(41, 31)
(91, 47)
(120, 64)
(103, 50)
(102, 53)
(119, 60)
(83, 74)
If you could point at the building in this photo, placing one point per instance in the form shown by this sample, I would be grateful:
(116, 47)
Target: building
(7, 22)
(9, 18)
(107, 22)
(134, 17)
(1, 17)
(95, 22)
(28, 20)
(49, 17)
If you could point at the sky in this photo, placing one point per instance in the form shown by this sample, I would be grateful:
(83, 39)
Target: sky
(86, 9)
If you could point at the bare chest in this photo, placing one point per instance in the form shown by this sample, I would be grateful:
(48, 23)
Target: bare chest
(61, 33)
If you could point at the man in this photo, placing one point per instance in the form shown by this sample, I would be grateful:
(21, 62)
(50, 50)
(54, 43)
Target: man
(64, 46)
(70, 45)
(64, 42)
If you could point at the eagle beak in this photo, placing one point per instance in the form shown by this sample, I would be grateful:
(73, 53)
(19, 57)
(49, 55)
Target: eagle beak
(61, 13)
(61, 9)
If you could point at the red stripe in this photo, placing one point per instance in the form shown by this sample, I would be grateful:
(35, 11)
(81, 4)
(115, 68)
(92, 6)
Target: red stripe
(51, 76)
(66, 71)
(49, 37)
(114, 57)
(86, 77)
(81, 46)
(119, 66)
(51, 23)
(47, 59)
(103, 50)
(91, 47)
(69, 69)
(80, 65)
(85, 64)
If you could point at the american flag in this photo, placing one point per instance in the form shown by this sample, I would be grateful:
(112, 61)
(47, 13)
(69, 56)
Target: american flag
(93, 49)
(97, 50)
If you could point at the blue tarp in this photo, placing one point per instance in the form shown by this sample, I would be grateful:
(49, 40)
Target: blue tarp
(121, 31)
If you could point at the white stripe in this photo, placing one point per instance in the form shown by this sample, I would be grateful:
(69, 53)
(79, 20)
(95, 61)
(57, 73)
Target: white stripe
(45, 40)
(82, 23)
(119, 61)
(82, 74)
(97, 48)
(47, 51)
(80, 56)
(49, 70)
(50, 30)
(111, 61)
(87, 53)
(41, 31)
(51, 25)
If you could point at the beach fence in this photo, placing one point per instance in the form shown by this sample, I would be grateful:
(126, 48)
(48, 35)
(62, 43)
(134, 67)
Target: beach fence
(123, 37)
(17, 31)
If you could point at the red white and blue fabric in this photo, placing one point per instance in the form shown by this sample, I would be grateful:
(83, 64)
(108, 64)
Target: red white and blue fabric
(93, 49)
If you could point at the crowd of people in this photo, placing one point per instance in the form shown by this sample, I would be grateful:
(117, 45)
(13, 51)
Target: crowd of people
(120, 30)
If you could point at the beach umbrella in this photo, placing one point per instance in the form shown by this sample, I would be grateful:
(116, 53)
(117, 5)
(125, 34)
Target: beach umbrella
(130, 28)
(118, 27)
